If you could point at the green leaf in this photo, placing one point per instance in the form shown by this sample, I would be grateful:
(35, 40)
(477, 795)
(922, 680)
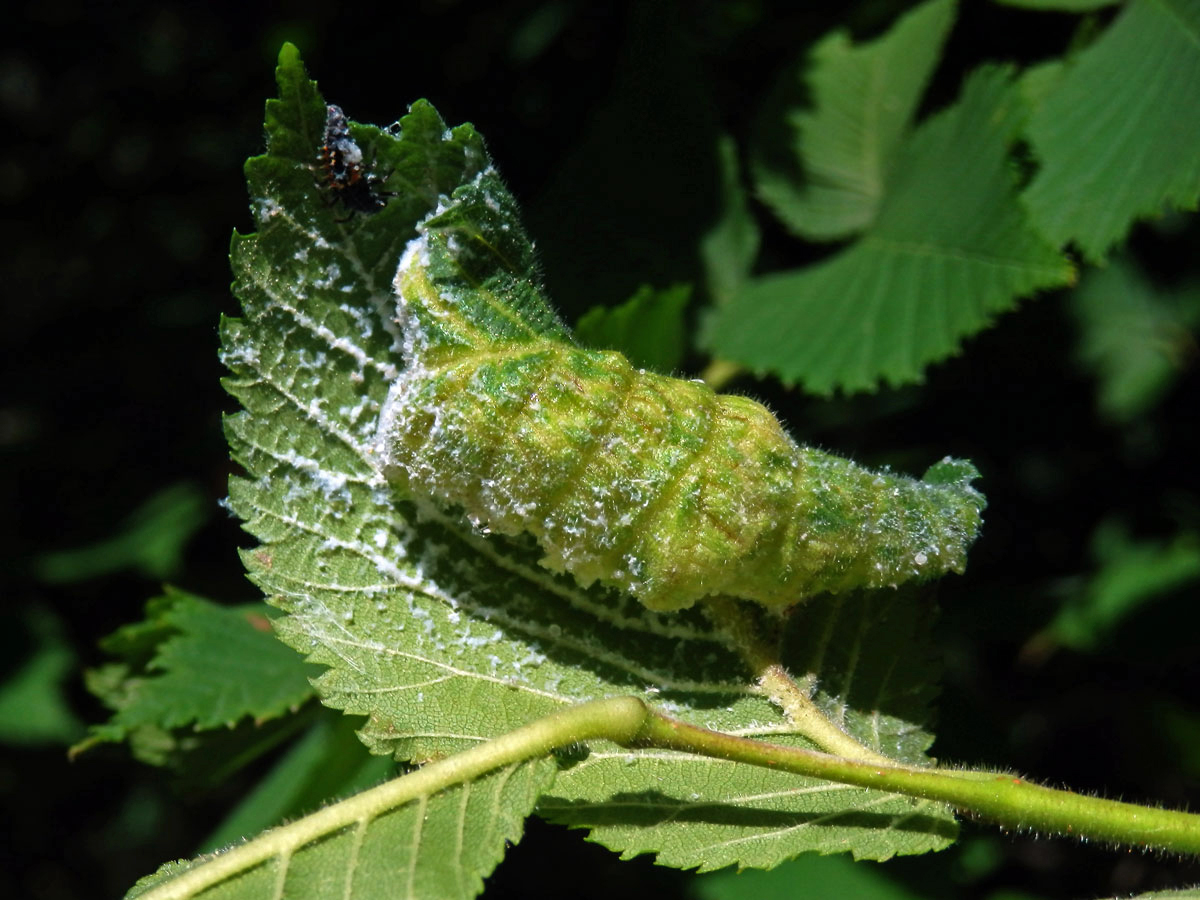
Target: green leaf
(949, 251)
(647, 328)
(1134, 335)
(195, 664)
(729, 248)
(328, 761)
(866, 658)
(436, 846)
(806, 878)
(33, 703)
(150, 541)
(1036, 82)
(864, 98)
(1118, 135)
(444, 636)
(1131, 574)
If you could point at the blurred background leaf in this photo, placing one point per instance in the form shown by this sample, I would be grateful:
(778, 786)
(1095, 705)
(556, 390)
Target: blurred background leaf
(34, 706)
(948, 251)
(1129, 574)
(810, 877)
(863, 99)
(730, 246)
(150, 541)
(1135, 336)
(647, 328)
(1061, 5)
(1117, 136)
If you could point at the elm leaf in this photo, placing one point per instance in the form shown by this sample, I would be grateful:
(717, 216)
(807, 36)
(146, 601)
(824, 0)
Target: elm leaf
(193, 664)
(864, 98)
(1118, 136)
(444, 636)
(949, 250)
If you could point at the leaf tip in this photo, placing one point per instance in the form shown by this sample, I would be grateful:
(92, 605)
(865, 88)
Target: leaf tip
(289, 56)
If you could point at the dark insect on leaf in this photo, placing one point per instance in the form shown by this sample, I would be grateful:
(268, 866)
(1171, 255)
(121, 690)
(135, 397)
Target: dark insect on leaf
(345, 172)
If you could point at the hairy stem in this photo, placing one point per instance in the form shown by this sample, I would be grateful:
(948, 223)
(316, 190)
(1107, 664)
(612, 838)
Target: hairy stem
(617, 719)
(1000, 798)
(764, 660)
(997, 797)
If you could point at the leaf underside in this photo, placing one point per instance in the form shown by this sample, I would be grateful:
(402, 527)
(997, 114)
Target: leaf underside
(444, 637)
(434, 847)
(1184, 894)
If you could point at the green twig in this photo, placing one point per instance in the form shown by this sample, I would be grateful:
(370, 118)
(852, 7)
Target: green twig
(1000, 798)
(617, 719)
(1003, 799)
(764, 660)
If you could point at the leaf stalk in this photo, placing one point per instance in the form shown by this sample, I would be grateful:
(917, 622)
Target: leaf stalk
(618, 719)
(1004, 799)
(998, 797)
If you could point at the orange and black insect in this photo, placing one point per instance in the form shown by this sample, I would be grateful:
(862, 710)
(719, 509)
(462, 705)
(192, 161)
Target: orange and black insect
(346, 174)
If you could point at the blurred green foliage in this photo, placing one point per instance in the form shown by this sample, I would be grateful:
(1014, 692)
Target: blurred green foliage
(149, 541)
(1128, 574)
(809, 877)
(648, 328)
(33, 702)
(192, 666)
(1136, 336)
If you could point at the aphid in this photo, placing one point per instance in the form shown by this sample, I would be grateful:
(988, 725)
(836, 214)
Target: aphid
(345, 173)
(652, 485)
